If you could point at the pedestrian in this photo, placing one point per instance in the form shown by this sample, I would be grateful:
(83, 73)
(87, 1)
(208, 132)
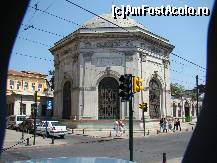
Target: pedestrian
(116, 127)
(175, 125)
(161, 124)
(164, 125)
(178, 124)
(121, 127)
(170, 124)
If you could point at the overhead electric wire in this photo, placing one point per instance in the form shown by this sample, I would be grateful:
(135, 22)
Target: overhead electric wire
(33, 41)
(35, 57)
(73, 22)
(48, 13)
(43, 30)
(95, 31)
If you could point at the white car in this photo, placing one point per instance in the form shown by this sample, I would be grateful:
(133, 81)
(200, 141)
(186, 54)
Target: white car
(54, 128)
(13, 121)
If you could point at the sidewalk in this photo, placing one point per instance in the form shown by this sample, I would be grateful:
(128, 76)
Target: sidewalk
(110, 133)
(13, 139)
(175, 160)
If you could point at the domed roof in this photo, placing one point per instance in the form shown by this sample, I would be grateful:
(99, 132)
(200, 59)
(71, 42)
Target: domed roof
(97, 22)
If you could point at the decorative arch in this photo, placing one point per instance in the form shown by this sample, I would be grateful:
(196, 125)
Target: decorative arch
(66, 101)
(174, 109)
(156, 77)
(187, 109)
(179, 110)
(155, 92)
(103, 74)
(108, 99)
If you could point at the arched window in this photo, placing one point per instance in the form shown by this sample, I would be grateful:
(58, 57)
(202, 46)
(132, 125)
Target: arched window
(179, 110)
(154, 99)
(174, 109)
(109, 102)
(66, 114)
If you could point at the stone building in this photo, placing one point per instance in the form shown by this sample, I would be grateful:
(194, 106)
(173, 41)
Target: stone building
(20, 92)
(185, 109)
(89, 62)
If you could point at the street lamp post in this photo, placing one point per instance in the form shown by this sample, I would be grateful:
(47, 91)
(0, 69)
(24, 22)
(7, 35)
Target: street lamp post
(21, 99)
(46, 116)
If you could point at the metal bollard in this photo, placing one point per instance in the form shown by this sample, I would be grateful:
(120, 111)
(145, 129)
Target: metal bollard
(164, 158)
(27, 141)
(192, 128)
(52, 140)
(110, 134)
(83, 131)
(22, 135)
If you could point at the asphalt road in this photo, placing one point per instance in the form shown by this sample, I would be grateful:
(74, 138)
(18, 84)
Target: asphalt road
(146, 150)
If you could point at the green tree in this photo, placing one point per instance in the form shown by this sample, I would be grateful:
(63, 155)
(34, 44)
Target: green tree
(177, 90)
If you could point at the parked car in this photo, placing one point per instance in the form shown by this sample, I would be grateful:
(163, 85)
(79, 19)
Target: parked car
(13, 121)
(28, 125)
(54, 128)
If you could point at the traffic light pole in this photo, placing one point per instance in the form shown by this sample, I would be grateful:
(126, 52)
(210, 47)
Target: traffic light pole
(131, 129)
(197, 111)
(35, 114)
(143, 119)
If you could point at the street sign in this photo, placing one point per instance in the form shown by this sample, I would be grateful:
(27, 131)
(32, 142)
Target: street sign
(49, 105)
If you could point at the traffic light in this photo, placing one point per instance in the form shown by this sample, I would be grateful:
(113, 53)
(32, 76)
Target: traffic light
(144, 106)
(137, 84)
(36, 97)
(125, 87)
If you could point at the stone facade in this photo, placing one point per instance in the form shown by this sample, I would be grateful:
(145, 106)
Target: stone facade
(99, 52)
(185, 108)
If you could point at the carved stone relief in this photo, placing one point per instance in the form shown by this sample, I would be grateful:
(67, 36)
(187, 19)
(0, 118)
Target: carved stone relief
(107, 61)
(114, 44)
(86, 44)
(87, 56)
(152, 48)
(166, 63)
(143, 57)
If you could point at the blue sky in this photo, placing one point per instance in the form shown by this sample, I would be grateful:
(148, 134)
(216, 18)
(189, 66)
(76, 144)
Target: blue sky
(187, 34)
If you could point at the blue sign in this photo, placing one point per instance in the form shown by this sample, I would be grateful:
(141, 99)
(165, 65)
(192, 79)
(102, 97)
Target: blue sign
(49, 105)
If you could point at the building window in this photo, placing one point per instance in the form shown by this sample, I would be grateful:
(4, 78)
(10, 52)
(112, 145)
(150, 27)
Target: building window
(26, 86)
(179, 110)
(33, 86)
(11, 84)
(39, 87)
(18, 85)
(22, 109)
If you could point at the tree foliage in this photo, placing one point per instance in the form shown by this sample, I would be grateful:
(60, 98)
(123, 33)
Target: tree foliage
(177, 90)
